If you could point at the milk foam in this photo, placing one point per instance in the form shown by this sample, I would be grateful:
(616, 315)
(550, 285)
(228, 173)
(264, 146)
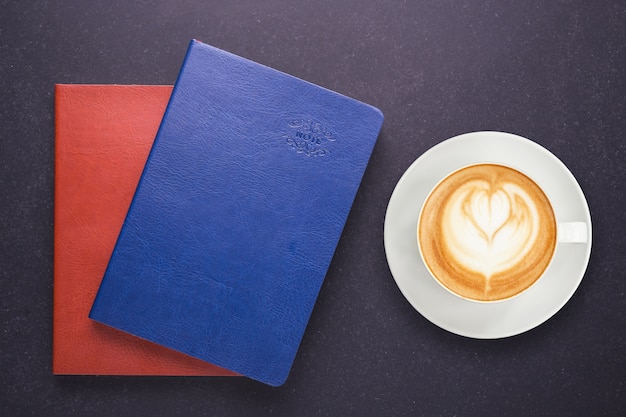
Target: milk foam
(489, 228)
(487, 232)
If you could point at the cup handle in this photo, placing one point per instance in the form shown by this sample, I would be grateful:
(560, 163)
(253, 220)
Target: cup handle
(573, 232)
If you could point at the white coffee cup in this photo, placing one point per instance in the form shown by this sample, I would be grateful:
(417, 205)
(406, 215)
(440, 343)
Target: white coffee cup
(487, 232)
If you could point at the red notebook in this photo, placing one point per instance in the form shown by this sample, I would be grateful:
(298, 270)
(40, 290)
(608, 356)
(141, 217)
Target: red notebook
(103, 137)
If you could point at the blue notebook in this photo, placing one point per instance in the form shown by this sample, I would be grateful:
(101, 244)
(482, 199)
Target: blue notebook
(237, 214)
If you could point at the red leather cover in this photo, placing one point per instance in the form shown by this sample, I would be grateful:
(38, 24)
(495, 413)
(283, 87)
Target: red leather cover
(103, 137)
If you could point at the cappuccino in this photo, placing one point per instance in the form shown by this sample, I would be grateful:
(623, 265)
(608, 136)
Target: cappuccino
(487, 232)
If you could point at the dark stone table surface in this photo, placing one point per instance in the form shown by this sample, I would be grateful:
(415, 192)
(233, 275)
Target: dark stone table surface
(551, 71)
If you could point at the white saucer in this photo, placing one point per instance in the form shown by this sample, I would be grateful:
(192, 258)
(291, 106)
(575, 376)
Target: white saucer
(467, 318)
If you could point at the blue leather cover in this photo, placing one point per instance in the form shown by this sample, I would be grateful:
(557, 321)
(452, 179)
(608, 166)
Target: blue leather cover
(237, 214)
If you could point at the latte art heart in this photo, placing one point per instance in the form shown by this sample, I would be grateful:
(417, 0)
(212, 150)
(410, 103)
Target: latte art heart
(487, 232)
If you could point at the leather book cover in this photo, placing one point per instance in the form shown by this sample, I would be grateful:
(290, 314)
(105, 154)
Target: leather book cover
(102, 140)
(237, 214)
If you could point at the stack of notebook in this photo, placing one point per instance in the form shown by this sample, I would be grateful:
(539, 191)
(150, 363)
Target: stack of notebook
(194, 226)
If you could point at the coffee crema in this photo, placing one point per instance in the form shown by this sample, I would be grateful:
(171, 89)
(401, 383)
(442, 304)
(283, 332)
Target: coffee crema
(487, 232)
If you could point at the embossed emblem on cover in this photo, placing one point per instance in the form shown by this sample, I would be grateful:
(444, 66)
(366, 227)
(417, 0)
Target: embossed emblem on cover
(309, 137)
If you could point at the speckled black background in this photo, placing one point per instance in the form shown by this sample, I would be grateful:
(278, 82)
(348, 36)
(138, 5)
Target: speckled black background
(552, 71)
